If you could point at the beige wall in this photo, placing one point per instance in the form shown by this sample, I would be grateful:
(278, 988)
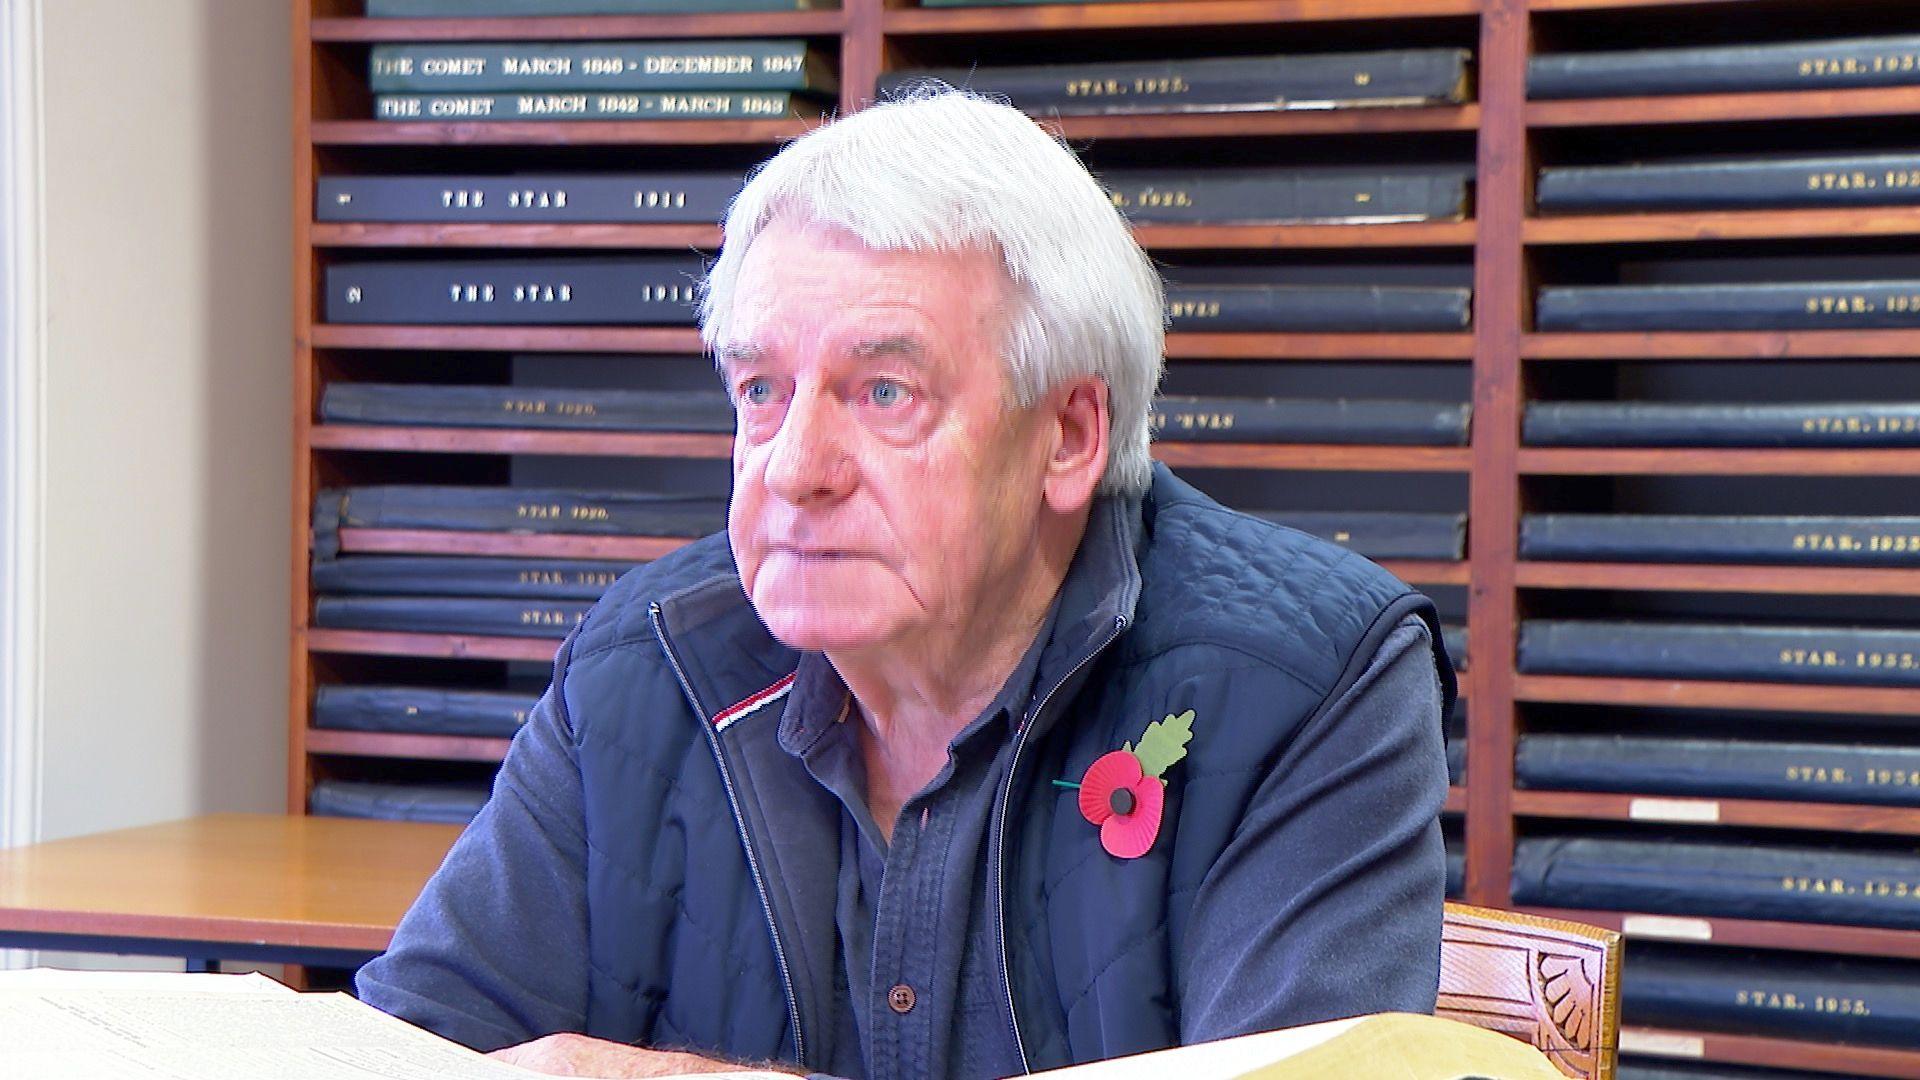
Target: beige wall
(167, 401)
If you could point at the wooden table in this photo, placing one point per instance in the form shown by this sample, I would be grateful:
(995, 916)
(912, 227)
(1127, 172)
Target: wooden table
(259, 887)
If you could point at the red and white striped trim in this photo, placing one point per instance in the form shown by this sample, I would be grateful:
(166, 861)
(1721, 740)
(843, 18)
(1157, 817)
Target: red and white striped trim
(753, 704)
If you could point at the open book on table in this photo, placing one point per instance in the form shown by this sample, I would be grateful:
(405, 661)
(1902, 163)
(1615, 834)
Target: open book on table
(148, 1026)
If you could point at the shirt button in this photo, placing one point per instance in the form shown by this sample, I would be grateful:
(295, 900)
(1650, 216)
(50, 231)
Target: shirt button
(900, 999)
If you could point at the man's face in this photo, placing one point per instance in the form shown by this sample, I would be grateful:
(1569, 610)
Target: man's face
(883, 489)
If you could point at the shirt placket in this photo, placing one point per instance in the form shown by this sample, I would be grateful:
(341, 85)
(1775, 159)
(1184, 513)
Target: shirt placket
(906, 946)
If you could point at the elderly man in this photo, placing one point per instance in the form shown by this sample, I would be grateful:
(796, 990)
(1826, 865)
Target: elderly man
(979, 744)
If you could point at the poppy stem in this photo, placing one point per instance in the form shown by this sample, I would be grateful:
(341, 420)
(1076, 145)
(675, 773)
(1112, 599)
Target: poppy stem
(1066, 784)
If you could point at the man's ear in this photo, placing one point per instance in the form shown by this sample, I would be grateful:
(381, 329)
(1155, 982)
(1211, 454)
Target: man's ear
(1081, 428)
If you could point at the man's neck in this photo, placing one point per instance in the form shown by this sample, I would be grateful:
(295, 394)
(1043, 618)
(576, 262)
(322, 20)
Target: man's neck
(913, 702)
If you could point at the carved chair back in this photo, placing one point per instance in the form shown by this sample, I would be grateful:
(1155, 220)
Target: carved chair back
(1551, 983)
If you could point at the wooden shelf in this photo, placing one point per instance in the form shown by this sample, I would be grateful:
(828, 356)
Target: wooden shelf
(1718, 462)
(1722, 225)
(1702, 577)
(438, 646)
(1428, 571)
(475, 235)
(1314, 458)
(524, 545)
(557, 133)
(397, 745)
(617, 339)
(686, 340)
(1600, 5)
(1843, 1058)
(1192, 346)
(1690, 810)
(1722, 345)
(923, 22)
(707, 237)
(1721, 108)
(1263, 237)
(1748, 933)
(444, 440)
(1710, 694)
(1240, 124)
(1456, 800)
(825, 23)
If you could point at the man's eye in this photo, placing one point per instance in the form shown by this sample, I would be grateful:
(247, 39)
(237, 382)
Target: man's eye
(886, 393)
(756, 392)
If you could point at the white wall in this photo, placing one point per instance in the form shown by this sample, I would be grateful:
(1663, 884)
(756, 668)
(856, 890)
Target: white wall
(167, 396)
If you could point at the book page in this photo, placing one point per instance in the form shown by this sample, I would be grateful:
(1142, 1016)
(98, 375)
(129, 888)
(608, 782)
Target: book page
(1209, 1061)
(149, 1034)
(61, 979)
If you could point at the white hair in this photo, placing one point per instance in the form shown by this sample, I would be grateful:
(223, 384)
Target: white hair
(945, 170)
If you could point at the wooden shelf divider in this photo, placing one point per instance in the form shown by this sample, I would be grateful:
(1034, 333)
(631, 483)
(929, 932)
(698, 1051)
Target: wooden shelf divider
(401, 745)
(1848, 1059)
(513, 545)
(1267, 124)
(446, 440)
(548, 133)
(826, 22)
(1703, 577)
(1691, 810)
(437, 646)
(1717, 462)
(1722, 225)
(1748, 933)
(1719, 345)
(1714, 694)
(1316, 458)
(1059, 18)
(1725, 108)
(475, 235)
(615, 339)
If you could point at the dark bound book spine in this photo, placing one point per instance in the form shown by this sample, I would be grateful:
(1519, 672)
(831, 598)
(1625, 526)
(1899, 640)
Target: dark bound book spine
(1281, 420)
(450, 615)
(429, 575)
(1804, 65)
(474, 9)
(528, 510)
(1846, 999)
(1454, 638)
(522, 66)
(664, 197)
(1312, 308)
(658, 291)
(1831, 305)
(1744, 881)
(564, 105)
(1273, 196)
(1878, 180)
(527, 407)
(1381, 534)
(413, 710)
(1652, 423)
(446, 804)
(1794, 654)
(1813, 541)
(1230, 84)
(1721, 768)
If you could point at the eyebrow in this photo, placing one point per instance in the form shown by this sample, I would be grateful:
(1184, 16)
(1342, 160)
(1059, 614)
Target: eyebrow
(901, 347)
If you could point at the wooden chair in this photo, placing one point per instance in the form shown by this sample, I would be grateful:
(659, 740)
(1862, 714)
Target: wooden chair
(1551, 983)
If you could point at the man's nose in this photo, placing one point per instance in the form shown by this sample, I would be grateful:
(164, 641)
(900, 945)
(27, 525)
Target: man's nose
(808, 460)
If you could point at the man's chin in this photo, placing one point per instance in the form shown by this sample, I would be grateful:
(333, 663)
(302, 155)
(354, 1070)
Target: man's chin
(826, 632)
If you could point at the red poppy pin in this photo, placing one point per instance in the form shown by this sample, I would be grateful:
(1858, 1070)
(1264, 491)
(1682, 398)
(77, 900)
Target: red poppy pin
(1122, 791)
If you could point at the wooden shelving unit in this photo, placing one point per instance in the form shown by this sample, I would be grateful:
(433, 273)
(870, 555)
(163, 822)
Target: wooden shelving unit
(1511, 249)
